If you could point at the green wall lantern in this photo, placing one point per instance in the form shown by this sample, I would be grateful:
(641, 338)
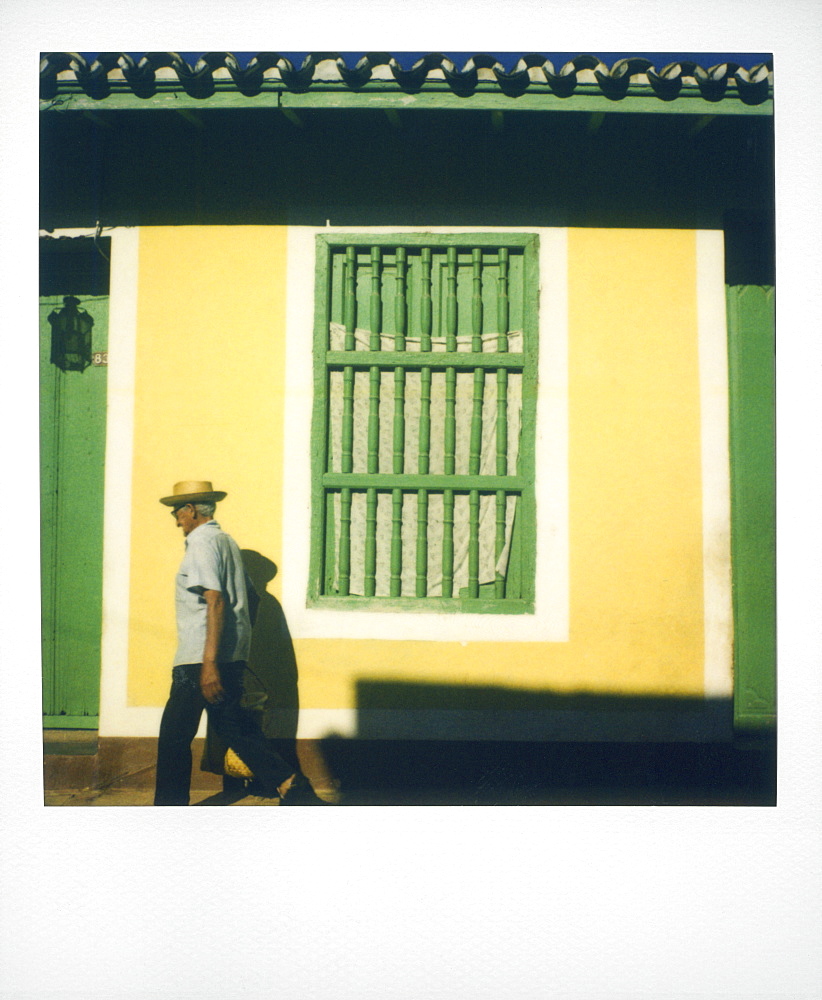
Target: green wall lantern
(71, 336)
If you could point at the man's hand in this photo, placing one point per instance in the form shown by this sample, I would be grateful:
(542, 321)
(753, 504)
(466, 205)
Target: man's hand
(210, 683)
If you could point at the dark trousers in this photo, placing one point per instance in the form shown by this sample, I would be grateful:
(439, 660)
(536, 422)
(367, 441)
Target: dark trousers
(232, 723)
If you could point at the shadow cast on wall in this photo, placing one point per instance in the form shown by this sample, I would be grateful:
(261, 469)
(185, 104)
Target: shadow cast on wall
(437, 744)
(270, 680)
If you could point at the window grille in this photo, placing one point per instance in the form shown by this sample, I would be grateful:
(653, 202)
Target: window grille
(424, 412)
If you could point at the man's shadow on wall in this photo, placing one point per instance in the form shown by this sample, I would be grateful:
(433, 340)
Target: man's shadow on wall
(270, 679)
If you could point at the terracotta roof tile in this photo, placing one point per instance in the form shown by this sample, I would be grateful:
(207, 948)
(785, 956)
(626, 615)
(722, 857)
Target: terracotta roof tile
(119, 71)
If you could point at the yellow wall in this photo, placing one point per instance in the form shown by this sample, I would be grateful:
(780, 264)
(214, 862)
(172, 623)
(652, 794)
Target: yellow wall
(210, 403)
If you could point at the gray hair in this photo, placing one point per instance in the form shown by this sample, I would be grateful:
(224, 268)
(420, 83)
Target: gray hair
(206, 509)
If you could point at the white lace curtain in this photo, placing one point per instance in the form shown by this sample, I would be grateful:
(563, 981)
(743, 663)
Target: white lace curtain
(489, 564)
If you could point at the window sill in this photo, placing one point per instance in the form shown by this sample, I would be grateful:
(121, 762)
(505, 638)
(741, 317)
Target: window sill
(429, 605)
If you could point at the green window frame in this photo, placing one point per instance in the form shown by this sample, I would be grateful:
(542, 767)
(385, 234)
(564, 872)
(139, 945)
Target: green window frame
(423, 427)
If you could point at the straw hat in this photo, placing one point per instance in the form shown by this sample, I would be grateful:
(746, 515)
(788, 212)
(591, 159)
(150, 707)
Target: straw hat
(192, 491)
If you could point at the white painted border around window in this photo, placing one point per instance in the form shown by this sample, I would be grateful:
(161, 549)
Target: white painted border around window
(550, 621)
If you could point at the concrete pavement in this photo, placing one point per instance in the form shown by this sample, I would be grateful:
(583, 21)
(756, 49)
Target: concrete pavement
(140, 797)
(86, 771)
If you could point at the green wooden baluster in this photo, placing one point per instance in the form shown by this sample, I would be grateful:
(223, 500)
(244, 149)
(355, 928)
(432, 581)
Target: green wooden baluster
(448, 543)
(331, 528)
(450, 424)
(502, 414)
(373, 428)
(479, 373)
(395, 587)
(473, 543)
(374, 372)
(345, 542)
(422, 543)
(350, 315)
(371, 543)
(426, 327)
(502, 300)
(476, 426)
(400, 322)
(502, 469)
(476, 300)
(424, 448)
(499, 578)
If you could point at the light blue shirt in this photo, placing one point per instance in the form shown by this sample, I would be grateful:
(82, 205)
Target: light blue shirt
(212, 561)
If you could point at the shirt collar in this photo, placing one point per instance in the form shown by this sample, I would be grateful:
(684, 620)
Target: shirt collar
(208, 524)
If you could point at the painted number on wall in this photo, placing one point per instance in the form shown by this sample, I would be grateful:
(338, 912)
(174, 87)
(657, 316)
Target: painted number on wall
(99, 358)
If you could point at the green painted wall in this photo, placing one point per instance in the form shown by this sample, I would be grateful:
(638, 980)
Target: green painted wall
(72, 451)
(753, 517)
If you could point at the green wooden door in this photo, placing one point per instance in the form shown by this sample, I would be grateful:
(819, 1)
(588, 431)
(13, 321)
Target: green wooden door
(72, 452)
(753, 474)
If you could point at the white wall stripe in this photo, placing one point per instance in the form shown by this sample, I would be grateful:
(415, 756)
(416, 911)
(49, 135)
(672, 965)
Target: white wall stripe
(716, 489)
(116, 717)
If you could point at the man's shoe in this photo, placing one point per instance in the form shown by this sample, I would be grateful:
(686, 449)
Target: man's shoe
(300, 793)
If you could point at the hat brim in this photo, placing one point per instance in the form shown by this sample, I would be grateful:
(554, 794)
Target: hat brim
(184, 498)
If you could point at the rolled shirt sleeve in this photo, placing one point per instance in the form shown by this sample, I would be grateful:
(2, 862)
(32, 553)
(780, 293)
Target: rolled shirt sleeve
(201, 569)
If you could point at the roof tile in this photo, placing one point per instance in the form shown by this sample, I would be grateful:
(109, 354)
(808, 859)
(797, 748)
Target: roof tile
(64, 70)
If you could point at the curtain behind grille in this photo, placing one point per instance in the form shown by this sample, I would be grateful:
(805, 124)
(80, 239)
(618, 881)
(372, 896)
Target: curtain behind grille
(489, 566)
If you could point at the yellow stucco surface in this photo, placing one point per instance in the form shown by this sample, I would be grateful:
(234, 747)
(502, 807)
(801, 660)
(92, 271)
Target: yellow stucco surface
(209, 383)
(636, 577)
(210, 397)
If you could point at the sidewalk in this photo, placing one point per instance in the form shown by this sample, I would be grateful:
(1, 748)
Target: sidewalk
(120, 772)
(140, 797)
(82, 769)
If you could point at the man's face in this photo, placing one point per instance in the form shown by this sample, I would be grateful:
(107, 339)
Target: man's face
(185, 518)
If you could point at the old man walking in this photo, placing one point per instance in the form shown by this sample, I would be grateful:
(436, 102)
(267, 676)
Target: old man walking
(214, 639)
